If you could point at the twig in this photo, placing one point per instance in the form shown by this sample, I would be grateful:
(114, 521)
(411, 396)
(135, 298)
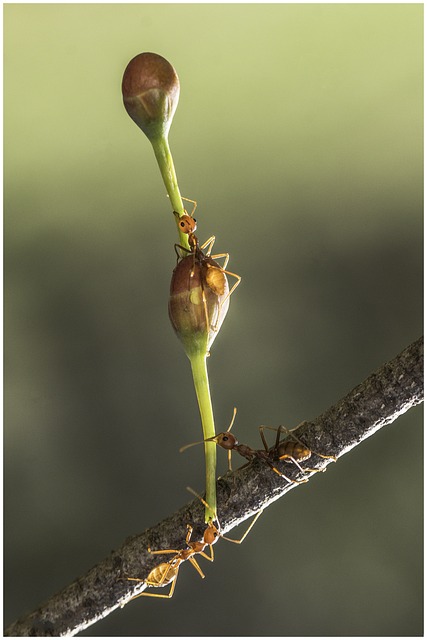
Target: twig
(379, 400)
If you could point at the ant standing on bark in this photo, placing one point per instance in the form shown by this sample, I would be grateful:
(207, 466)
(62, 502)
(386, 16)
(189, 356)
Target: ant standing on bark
(292, 451)
(167, 572)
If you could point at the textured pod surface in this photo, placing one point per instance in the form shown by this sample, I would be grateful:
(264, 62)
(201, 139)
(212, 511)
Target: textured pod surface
(150, 88)
(197, 309)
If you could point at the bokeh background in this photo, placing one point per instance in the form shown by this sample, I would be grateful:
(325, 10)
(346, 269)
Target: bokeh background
(299, 133)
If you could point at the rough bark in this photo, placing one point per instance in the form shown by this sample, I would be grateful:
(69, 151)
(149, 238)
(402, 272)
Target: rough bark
(377, 401)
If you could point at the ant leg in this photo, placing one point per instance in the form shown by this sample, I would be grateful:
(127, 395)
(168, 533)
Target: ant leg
(246, 532)
(211, 557)
(229, 273)
(196, 566)
(214, 325)
(282, 475)
(287, 456)
(261, 433)
(193, 202)
(160, 583)
(209, 243)
(230, 466)
(189, 534)
(233, 288)
(205, 307)
(203, 501)
(204, 555)
(278, 431)
(235, 285)
(226, 257)
(159, 552)
(177, 246)
(155, 584)
(156, 595)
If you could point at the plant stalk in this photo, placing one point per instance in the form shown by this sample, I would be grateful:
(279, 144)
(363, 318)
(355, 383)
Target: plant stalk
(198, 360)
(167, 169)
(201, 384)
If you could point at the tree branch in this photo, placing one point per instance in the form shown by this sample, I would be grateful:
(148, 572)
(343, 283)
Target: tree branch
(379, 400)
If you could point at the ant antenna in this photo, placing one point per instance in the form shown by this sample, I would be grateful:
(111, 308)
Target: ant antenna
(187, 446)
(232, 419)
(202, 500)
(192, 444)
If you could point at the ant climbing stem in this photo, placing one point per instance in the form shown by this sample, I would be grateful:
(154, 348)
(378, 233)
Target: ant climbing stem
(187, 224)
(214, 275)
(167, 572)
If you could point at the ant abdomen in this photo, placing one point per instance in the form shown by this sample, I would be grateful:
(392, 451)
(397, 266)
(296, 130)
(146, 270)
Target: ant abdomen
(215, 277)
(295, 450)
(162, 575)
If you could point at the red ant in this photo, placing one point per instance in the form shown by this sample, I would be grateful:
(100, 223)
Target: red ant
(293, 451)
(167, 572)
(212, 273)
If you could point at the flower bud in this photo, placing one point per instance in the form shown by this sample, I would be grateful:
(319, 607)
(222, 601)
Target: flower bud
(150, 90)
(197, 309)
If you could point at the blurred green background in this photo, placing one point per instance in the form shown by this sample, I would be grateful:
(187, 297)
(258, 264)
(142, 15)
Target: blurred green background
(299, 132)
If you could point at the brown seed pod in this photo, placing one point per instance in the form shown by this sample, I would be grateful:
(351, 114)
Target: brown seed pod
(198, 301)
(150, 88)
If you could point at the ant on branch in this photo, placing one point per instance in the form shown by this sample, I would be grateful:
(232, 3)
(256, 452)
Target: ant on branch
(167, 572)
(291, 451)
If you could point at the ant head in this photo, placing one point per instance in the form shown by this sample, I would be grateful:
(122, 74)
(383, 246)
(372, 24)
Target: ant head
(211, 534)
(187, 224)
(225, 440)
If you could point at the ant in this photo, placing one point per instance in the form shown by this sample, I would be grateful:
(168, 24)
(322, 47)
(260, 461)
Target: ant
(290, 451)
(167, 572)
(212, 273)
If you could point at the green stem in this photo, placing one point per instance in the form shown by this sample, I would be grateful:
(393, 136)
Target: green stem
(198, 360)
(201, 384)
(167, 169)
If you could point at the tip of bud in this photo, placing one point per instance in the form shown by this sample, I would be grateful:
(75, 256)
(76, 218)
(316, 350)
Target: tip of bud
(150, 88)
